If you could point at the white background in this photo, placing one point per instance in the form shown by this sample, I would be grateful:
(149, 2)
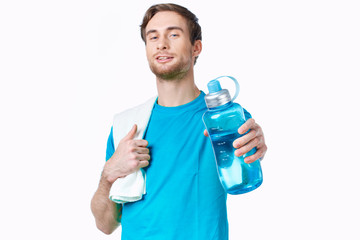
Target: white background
(67, 66)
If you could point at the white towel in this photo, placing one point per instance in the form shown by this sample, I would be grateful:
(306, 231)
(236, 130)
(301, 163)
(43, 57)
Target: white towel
(129, 189)
(132, 187)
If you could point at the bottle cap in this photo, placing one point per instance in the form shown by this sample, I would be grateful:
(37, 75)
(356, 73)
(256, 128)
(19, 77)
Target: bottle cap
(218, 96)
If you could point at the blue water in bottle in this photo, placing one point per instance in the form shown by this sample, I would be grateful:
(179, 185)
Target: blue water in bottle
(222, 121)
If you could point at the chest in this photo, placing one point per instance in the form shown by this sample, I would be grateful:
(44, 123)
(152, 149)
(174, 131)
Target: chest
(176, 143)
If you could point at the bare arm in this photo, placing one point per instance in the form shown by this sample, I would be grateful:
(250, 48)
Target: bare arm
(107, 213)
(130, 155)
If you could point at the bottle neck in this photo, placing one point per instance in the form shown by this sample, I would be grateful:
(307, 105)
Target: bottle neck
(226, 105)
(216, 99)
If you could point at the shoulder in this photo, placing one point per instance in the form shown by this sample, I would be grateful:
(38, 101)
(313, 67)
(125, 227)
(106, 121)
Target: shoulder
(133, 110)
(125, 120)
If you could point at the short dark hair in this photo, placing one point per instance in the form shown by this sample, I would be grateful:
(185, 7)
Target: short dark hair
(192, 20)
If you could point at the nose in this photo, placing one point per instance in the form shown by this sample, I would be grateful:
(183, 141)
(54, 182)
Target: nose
(163, 44)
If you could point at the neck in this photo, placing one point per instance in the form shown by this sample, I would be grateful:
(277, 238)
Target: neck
(177, 92)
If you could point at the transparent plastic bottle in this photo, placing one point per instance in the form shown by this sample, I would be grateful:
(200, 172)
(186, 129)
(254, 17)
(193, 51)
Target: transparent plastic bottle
(222, 121)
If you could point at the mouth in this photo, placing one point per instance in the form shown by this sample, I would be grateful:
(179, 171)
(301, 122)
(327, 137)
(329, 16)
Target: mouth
(163, 59)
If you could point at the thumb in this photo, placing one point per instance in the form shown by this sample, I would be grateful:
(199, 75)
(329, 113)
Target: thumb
(132, 133)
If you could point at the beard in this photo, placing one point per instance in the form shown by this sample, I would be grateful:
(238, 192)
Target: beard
(168, 73)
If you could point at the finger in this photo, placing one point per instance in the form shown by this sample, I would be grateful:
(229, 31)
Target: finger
(141, 150)
(140, 143)
(247, 148)
(241, 141)
(132, 133)
(206, 134)
(249, 124)
(142, 157)
(254, 157)
(143, 164)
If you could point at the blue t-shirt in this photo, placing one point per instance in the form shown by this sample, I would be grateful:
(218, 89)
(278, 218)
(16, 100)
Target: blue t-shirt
(184, 199)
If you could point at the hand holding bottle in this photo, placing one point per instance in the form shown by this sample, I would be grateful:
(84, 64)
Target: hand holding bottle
(254, 138)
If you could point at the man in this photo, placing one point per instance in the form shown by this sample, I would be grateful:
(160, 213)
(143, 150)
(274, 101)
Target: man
(184, 198)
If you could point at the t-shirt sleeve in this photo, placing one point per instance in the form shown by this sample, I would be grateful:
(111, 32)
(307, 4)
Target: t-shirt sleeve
(247, 114)
(110, 149)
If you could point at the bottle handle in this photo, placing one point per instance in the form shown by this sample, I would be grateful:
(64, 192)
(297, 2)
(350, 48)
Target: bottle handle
(236, 85)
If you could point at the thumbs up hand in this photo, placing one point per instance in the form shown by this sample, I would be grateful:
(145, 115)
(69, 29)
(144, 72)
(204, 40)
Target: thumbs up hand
(130, 155)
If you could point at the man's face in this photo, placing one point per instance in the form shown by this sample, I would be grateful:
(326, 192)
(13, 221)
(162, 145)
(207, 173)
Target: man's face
(168, 47)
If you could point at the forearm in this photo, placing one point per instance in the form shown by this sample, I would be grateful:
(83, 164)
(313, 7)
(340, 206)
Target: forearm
(107, 213)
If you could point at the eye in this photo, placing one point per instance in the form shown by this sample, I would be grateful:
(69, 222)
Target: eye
(152, 37)
(173, 35)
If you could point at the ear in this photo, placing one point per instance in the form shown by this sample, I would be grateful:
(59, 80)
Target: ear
(197, 48)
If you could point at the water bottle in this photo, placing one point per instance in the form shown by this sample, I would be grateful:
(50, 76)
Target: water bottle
(222, 120)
